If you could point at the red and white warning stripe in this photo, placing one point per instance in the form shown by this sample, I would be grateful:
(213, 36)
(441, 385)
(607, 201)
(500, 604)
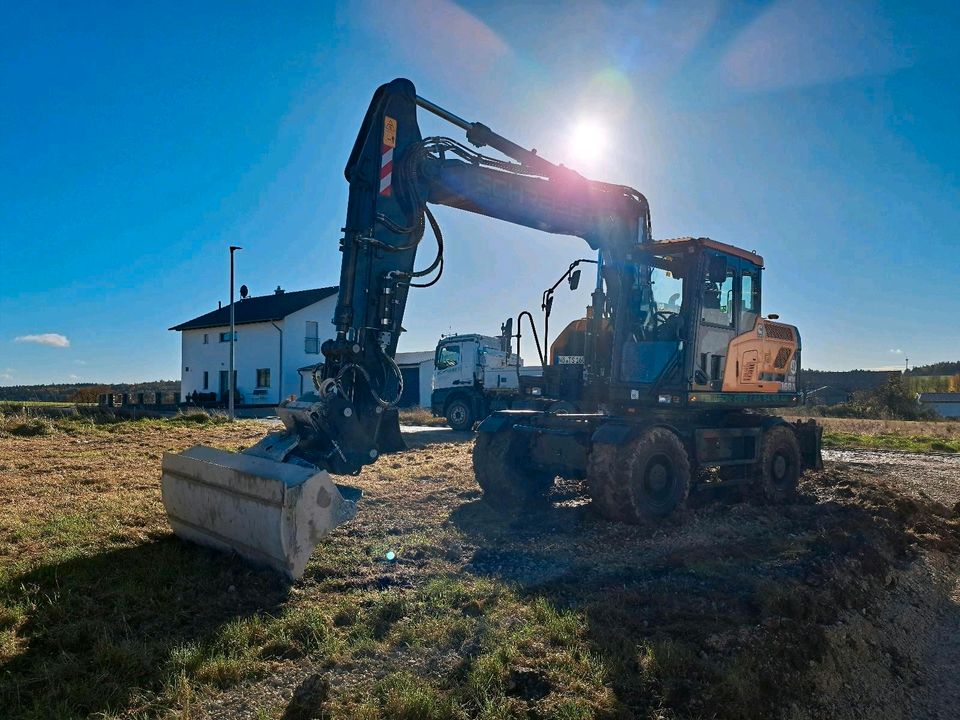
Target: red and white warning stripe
(386, 169)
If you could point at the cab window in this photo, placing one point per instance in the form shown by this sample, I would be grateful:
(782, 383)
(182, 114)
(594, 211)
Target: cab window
(448, 357)
(749, 296)
(718, 290)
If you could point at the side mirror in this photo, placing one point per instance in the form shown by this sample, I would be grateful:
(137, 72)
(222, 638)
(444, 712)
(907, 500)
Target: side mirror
(574, 279)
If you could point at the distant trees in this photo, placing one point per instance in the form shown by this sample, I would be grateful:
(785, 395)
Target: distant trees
(933, 383)
(894, 400)
(940, 368)
(89, 392)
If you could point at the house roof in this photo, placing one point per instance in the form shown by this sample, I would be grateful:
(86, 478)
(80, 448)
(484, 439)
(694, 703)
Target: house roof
(262, 308)
(414, 358)
(935, 397)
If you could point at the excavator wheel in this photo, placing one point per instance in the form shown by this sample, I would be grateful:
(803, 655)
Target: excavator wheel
(659, 475)
(607, 483)
(777, 473)
(497, 464)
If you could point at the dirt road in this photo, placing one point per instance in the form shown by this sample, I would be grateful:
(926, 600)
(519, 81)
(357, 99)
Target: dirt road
(936, 476)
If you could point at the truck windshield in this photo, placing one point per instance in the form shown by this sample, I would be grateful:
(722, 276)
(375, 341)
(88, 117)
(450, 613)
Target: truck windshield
(448, 356)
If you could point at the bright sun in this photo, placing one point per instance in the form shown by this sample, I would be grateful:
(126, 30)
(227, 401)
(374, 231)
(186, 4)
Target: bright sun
(588, 141)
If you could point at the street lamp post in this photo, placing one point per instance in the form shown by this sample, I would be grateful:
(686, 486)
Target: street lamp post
(231, 384)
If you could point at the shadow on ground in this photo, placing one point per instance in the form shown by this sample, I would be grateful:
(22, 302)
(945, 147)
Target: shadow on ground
(727, 609)
(99, 630)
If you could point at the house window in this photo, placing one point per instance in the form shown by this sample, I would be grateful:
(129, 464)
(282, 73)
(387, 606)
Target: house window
(311, 344)
(263, 377)
(206, 338)
(206, 380)
(225, 337)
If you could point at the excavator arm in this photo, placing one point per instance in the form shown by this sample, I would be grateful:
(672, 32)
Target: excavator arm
(394, 174)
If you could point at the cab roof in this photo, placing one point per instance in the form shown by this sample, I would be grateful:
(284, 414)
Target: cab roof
(674, 244)
(483, 339)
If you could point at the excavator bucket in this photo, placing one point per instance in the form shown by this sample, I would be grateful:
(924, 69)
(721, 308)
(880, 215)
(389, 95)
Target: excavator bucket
(270, 513)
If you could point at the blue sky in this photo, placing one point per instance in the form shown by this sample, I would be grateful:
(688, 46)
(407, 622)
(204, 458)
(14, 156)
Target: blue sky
(139, 140)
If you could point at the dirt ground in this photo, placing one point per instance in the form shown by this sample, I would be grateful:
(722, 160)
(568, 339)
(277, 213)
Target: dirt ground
(841, 604)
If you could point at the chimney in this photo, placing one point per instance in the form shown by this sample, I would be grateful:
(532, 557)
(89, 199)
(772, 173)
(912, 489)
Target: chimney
(278, 291)
(219, 304)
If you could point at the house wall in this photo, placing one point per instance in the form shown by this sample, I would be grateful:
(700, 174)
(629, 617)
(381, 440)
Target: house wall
(426, 382)
(258, 346)
(294, 348)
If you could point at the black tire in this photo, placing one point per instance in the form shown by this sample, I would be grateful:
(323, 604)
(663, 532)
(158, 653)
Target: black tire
(460, 415)
(777, 473)
(498, 466)
(607, 483)
(658, 471)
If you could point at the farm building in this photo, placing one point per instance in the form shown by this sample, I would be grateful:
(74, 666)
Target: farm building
(276, 335)
(945, 404)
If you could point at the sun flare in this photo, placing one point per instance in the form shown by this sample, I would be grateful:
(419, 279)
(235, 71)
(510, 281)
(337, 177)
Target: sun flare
(588, 141)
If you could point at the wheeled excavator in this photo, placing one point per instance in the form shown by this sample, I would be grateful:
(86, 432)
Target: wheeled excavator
(674, 359)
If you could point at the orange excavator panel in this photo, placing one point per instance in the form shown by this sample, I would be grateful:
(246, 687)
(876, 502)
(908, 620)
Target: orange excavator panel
(763, 360)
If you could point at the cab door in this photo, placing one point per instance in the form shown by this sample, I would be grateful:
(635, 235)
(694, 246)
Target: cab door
(718, 316)
(453, 365)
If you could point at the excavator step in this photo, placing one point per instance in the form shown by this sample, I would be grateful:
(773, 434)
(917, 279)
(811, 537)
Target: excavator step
(270, 513)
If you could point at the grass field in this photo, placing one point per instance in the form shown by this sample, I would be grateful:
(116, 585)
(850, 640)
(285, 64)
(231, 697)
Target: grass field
(908, 435)
(552, 613)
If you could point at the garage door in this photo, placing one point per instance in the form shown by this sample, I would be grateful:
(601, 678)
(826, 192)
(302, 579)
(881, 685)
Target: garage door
(411, 387)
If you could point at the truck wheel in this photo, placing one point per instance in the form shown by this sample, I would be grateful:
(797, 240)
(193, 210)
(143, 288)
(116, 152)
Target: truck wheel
(497, 465)
(607, 483)
(777, 473)
(658, 470)
(460, 415)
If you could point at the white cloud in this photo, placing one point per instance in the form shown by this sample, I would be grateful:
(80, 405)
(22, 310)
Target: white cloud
(796, 43)
(51, 339)
(7, 374)
(896, 351)
(71, 376)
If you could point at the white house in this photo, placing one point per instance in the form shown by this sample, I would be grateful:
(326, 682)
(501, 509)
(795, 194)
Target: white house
(276, 335)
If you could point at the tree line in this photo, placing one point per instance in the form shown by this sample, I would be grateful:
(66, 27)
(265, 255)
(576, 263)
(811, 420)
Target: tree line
(81, 392)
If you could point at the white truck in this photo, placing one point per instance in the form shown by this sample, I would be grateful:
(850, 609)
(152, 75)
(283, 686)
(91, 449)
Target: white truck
(473, 376)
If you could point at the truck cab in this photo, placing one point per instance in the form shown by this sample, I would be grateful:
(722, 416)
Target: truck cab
(471, 373)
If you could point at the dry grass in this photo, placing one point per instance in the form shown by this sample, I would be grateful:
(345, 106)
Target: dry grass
(946, 429)
(550, 613)
(421, 416)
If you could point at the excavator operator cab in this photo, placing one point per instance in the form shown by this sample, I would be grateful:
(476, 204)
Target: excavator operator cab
(696, 297)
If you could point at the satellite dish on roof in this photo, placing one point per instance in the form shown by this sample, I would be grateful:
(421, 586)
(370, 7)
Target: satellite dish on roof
(244, 291)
